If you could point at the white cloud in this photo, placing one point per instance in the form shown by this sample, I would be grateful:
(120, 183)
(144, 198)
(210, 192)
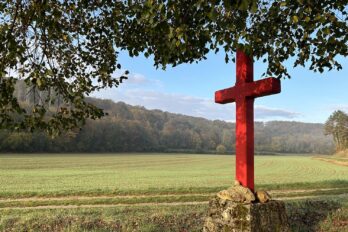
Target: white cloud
(139, 90)
(137, 79)
(189, 105)
(342, 107)
(263, 112)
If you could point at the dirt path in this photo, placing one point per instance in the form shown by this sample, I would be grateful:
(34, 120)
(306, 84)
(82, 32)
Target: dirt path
(101, 197)
(108, 205)
(337, 162)
(304, 190)
(155, 204)
(309, 197)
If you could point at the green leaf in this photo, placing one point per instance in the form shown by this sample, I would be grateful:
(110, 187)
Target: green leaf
(295, 19)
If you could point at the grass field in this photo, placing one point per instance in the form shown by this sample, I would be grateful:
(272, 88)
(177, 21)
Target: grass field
(145, 192)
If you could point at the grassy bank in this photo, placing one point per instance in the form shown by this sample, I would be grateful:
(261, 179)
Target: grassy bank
(158, 192)
(325, 214)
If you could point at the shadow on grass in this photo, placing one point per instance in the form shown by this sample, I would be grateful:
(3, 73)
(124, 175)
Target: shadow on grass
(311, 215)
(306, 185)
(176, 190)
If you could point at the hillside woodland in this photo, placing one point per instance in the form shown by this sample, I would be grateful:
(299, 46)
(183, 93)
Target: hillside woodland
(135, 129)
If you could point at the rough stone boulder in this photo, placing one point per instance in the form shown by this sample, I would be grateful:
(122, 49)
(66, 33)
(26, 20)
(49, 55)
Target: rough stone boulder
(232, 216)
(239, 209)
(262, 196)
(237, 193)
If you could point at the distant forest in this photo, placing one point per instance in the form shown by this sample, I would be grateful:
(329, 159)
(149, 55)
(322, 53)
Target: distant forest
(136, 129)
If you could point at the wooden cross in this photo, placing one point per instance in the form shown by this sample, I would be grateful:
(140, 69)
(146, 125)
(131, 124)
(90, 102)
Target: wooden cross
(244, 93)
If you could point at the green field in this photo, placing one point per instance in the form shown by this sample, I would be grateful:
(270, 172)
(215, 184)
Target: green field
(95, 174)
(74, 192)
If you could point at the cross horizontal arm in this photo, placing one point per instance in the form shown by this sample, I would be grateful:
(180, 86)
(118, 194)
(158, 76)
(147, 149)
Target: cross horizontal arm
(255, 89)
(262, 87)
(226, 95)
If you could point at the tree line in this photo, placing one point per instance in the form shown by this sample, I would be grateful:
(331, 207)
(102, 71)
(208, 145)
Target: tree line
(135, 129)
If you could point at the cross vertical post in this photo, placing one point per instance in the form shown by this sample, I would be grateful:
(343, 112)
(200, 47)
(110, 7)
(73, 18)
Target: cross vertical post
(244, 93)
(245, 125)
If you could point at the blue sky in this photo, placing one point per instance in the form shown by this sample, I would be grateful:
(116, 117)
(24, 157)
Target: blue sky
(189, 89)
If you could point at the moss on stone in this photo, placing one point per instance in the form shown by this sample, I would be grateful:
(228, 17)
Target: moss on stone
(235, 216)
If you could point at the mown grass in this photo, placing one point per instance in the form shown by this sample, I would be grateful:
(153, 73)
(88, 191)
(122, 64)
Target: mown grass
(109, 174)
(135, 218)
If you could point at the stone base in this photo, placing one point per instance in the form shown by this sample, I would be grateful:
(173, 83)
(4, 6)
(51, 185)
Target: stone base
(226, 215)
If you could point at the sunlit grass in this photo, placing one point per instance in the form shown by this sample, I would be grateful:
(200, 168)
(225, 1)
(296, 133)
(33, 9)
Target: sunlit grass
(73, 174)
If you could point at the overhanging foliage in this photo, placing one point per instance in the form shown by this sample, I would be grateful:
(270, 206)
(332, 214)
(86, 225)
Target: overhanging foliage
(71, 47)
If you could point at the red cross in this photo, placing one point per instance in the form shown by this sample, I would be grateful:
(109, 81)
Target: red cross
(244, 93)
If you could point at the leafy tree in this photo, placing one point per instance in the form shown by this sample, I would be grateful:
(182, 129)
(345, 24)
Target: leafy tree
(220, 149)
(337, 126)
(71, 47)
(176, 32)
(63, 47)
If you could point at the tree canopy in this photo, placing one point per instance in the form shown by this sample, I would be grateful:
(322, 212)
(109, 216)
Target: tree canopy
(65, 50)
